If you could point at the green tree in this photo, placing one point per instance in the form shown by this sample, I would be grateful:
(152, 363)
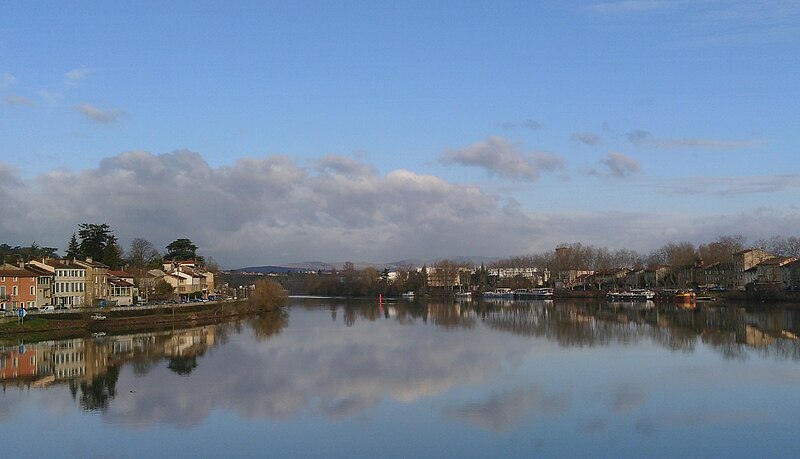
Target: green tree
(99, 242)
(73, 249)
(162, 290)
(182, 249)
(113, 254)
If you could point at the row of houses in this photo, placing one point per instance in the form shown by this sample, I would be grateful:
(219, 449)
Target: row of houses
(750, 267)
(86, 283)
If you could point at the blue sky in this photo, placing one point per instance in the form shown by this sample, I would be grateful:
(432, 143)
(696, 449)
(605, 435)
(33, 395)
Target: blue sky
(622, 123)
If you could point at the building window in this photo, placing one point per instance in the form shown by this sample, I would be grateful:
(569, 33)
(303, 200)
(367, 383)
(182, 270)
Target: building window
(14, 291)
(33, 290)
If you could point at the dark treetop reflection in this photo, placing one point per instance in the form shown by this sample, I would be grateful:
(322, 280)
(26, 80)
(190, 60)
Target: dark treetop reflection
(527, 376)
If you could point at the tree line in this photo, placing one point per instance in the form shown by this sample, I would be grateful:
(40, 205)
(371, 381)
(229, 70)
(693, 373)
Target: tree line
(99, 242)
(675, 254)
(568, 256)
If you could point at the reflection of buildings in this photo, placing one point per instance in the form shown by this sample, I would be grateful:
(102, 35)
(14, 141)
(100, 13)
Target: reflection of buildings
(731, 331)
(190, 342)
(82, 360)
(18, 363)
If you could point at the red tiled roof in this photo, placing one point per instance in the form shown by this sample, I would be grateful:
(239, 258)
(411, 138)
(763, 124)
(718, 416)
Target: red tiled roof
(17, 273)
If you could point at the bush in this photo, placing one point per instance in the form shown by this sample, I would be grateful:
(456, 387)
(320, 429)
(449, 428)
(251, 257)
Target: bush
(268, 295)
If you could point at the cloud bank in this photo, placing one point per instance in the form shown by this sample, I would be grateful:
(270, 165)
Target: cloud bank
(274, 210)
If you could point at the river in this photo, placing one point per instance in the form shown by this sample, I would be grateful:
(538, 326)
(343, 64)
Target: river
(358, 379)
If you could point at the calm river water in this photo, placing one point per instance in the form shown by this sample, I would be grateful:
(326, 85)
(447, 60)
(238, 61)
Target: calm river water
(355, 379)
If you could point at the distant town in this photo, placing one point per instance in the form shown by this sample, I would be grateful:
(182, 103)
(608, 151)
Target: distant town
(725, 265)
(97, 272)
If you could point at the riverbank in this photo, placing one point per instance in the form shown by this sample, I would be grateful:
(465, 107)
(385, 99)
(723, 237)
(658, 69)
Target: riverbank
(37, 327)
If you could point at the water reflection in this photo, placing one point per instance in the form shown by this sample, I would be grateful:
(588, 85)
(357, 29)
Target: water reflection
(730, 330)
(276, 368)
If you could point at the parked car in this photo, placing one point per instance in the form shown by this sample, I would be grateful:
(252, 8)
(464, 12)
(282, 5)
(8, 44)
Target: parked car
(47, 308)
(61, 307)
(98, 317)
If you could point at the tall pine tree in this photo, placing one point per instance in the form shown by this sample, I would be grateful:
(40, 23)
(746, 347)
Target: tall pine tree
(73, 249)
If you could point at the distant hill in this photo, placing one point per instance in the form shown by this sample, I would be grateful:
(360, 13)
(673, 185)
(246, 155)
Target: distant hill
(325, 266)
(269, 269)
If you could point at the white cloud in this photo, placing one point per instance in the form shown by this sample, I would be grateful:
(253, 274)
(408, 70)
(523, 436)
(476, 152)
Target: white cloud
(499, 157)
(18, 100)
(617, 165)
(100, 116)
(75, 75)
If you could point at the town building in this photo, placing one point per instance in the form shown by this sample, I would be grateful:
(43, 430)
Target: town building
(17, 288)
(188, 278)
(719, 274)
(121, 289)
(744, 261)
(537, 277)
(790, 275)
(69, 282)
(96, 281)
(44, 286)
(769, 270)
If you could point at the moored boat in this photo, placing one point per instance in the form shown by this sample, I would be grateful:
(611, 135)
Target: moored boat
(534, 294)
(634, 294)
(504, 293)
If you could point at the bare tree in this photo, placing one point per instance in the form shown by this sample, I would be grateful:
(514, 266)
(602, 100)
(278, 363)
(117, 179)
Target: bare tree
(780, 245)
(722, 249)
(142, 253)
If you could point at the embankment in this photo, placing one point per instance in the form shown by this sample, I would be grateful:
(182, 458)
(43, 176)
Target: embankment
(52, 326)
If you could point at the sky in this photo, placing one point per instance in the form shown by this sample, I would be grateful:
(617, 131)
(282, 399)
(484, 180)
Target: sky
(280, 132)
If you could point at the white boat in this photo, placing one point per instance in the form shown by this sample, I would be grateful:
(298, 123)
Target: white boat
(505, 293)
(408, 295)
(634, 294)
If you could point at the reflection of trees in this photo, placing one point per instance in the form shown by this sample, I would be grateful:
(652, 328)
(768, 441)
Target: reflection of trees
(730, 330)
(569, 325)
(269, 324)
(733, 332)
(183, 365)
(97, 393)
(451, 315)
